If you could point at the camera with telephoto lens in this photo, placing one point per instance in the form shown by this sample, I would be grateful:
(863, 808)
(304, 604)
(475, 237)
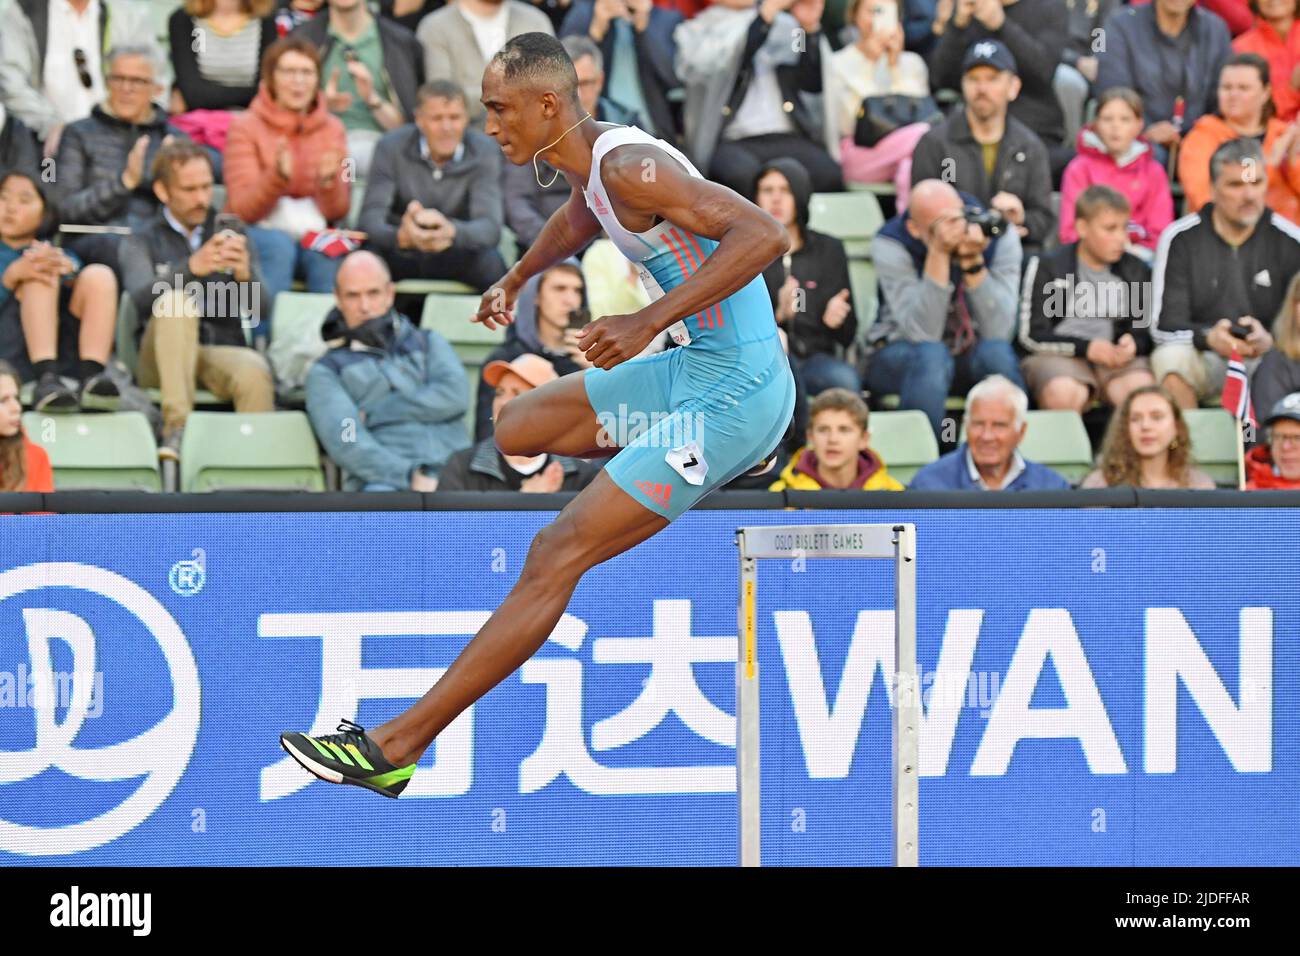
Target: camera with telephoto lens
(991, 222)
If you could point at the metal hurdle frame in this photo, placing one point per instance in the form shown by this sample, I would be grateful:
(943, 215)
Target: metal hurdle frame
(896, 542)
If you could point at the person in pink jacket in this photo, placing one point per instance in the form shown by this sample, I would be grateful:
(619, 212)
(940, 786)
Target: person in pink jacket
(1111, 152)
(287, 169)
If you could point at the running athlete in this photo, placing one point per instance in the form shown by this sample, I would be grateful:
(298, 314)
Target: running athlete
(700, 249)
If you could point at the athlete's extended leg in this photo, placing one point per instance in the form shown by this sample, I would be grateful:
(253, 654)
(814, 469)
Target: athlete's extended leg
(555, 418)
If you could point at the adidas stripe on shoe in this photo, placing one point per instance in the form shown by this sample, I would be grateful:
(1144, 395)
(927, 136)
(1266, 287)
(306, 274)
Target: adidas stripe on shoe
(349, 756)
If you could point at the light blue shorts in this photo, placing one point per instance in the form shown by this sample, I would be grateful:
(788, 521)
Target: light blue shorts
(690, 420)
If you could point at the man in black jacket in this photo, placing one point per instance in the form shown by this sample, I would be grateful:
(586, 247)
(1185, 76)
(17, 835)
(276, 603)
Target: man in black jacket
(482, 467)
(1083, 311)
(1035, 32)
(1219, 277)
(371, 69)
(433, 208)
(982, 150)
(196, 289)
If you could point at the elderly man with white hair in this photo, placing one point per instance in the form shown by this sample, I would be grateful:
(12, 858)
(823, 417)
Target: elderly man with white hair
(989, 460)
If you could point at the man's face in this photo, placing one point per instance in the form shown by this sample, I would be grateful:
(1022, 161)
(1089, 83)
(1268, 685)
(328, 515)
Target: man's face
(510, 386)
(1283, 442)
(443, 123)
(1104, 234)
(559, 294)
(836, 438)
(130, 88)
(775, 198)
(188, 192)
(363, 292)
(590, 82)
(991, 432)
(987, 91)
(514, 117)
(1239, 192)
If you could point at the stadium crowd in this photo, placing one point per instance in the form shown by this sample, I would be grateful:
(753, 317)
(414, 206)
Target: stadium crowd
(1078, 206)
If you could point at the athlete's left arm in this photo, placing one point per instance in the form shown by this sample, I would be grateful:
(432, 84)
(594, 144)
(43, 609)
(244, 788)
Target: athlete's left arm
(645, 179)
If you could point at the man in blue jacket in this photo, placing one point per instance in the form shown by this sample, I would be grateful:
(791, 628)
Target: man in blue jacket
(988, 460)
(388, 401)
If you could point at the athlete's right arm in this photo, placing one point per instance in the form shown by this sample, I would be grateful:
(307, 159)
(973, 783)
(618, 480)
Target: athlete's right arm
(568, 230)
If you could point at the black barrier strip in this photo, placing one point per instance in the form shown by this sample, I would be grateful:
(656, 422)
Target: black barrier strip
(134, 502)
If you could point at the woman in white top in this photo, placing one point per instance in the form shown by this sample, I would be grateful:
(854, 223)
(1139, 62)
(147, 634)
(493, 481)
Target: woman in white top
(877, 65)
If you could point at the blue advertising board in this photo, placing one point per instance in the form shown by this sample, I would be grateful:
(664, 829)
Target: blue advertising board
(1102, 687)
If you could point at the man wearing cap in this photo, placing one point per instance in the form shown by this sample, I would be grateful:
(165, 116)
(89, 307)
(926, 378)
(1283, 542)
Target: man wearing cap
(982, 150)
(483, 467)
(1035, 33)
(1276, 465)
(388, 400)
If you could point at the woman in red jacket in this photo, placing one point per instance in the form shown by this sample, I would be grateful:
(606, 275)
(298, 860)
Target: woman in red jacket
(1276, 37)
(287, 169)
(24, 465)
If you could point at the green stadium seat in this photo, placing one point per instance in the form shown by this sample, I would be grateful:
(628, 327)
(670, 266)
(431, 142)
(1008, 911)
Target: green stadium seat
(160, 12)
(226, 451)
(358, 197)
(218, 196)
(104, 452)
(904, 440)
(449, 316)
(1214, 443)
(953, 403)
(853, 218)
(862, 280)
(434, 286)
(880, 189)
(508, 246)
(295, 334)
(1057, 439)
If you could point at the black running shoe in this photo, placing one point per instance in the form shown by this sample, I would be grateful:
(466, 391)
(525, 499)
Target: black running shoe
(100, 393)
(347, 757)
(51, 395)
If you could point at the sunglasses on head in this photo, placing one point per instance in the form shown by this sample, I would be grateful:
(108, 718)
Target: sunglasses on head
(83, 71)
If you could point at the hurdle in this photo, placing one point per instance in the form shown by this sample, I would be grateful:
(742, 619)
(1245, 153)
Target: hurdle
(896, 542)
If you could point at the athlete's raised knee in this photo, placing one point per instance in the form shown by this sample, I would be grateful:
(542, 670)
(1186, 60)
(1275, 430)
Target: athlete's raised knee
(512, 432)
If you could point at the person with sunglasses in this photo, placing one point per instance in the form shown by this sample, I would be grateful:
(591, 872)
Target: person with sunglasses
(104, 160)
(52, 57)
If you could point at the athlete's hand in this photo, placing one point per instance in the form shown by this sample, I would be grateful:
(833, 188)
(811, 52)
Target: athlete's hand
(497, 307)
(615, 339)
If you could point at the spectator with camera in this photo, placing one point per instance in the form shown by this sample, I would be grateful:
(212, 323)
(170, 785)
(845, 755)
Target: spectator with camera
(949, 275)
(637, 50)
(483, 467)
(809, 285)
(433, 201)
(1276, 463)
(989, 459)
(1219, 274)
(371, 68)
(459, 40)
(548, 313)
(1170, 52)
(838, 453)
(285, 170)
(983, 150)
(750, 69)
(56, 316)
(1033, 33)
(195, 339)
(102, 169)
(52, 63)
(1083, 312)
(1148, 445)
(875, 75)
(388, 400)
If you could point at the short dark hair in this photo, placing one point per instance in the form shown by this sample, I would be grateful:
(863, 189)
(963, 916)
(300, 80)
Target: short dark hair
(840, 400)
(541, 60)
(1236, 152)
(1096, 198)
(171, 156)
(440, 90)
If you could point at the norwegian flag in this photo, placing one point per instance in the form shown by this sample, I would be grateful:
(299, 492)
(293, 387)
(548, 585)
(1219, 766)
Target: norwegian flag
(332, 242)
(1236, 391)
